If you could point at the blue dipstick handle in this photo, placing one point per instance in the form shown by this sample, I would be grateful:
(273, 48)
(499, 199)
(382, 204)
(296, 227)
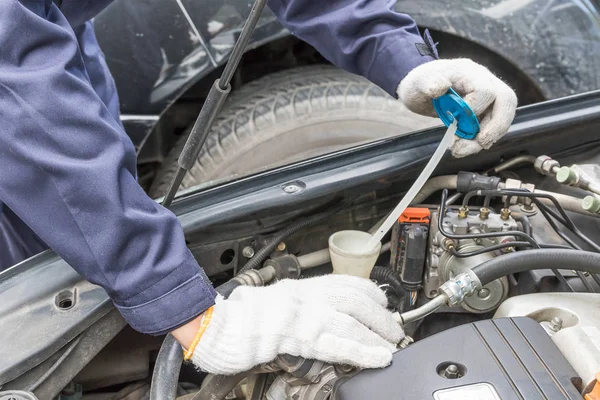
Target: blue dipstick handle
(451, 106)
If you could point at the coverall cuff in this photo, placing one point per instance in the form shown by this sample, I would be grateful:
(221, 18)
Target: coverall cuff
(396, 60)
(180, 304)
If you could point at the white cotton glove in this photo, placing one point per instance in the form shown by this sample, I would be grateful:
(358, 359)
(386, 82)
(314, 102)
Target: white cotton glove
(335, 318)
(493, 101)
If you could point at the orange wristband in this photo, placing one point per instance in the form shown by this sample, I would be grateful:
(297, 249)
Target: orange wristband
(203, 325)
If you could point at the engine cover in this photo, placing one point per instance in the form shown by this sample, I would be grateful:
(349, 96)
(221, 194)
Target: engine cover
(507, 358)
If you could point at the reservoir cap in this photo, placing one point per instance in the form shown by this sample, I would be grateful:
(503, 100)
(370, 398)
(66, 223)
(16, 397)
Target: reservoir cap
(451, 106)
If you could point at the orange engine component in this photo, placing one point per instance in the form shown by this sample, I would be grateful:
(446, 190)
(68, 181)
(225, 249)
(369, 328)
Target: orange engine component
(415, 215)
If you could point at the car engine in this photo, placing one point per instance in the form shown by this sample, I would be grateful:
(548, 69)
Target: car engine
(485, 316)
(529, 335)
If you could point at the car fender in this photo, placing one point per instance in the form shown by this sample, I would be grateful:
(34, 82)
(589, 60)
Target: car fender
(556, 43)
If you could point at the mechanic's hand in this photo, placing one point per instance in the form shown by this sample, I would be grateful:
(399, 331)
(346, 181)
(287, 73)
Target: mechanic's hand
(334, 318)
(493, 101)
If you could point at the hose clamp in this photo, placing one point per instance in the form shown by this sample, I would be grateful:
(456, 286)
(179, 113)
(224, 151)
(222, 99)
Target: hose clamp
(460, 287)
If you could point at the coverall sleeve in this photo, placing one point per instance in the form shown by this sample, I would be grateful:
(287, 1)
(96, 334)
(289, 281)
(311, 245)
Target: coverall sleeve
(365, 37)
(68, 170)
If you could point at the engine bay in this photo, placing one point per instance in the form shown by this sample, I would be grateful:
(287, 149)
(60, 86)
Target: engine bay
(518, 336)
(527, 334)
(478, 217)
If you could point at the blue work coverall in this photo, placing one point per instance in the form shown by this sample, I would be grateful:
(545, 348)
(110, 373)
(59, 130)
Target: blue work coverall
(68, 169)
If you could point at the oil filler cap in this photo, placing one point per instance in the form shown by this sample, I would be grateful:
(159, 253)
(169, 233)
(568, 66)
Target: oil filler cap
(451, 106)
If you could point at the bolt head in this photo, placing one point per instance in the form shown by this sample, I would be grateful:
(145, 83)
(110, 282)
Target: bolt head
(248, 252)
(556, 324)
(483, 293)
(451, 372)
(281, 246)
(291, 189)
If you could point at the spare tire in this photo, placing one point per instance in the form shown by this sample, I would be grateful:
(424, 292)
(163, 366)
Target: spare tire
(290, 116)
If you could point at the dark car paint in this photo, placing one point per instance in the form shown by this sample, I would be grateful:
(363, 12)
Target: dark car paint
(158, 49)
(33, 327)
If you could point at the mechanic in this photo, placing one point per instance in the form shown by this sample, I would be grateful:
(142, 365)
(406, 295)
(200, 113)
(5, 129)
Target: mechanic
(68, 181)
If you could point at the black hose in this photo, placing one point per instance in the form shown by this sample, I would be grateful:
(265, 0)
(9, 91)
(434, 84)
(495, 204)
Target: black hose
(166, 371)
(228, 287)
(524, 220)
(400, 298)
(546, 213)
(530, 260)
(387, 275)
(561, 217)
(261, 255)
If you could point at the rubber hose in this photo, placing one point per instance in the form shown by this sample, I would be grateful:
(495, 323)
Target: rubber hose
(268, 248)
(227, 288)
(166, 371)
(524, 220)
(435, 184)
(400, 298)
(529, 260)
(387, 275)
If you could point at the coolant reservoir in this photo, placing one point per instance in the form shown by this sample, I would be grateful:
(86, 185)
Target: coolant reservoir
(349, 254)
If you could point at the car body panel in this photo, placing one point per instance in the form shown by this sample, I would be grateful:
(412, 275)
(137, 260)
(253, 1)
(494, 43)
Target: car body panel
(33, 325)
(556, 43)
(158, 49)
(35, 328)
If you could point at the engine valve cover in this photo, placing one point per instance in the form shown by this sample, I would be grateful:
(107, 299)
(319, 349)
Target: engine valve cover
(502, 359)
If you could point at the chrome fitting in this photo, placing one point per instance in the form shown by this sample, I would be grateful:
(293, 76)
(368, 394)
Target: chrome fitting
(546, 165)
(404, 343)
(461, 287)
(250, 278)
(510, 184)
